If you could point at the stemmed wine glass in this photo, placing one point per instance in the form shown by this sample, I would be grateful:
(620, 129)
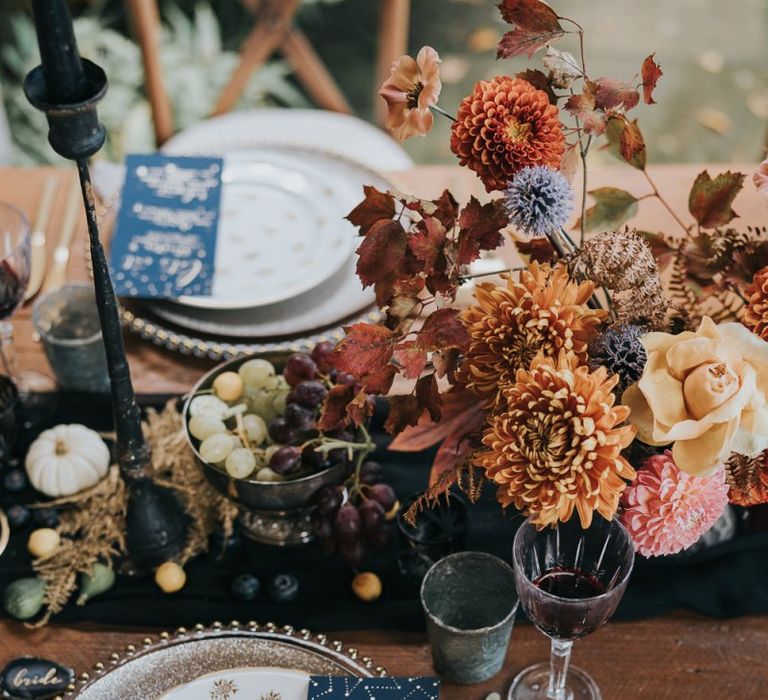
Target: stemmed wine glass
(14, 278)
(570, 581)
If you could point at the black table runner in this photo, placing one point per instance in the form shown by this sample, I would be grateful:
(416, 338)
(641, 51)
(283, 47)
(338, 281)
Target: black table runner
(725, 580)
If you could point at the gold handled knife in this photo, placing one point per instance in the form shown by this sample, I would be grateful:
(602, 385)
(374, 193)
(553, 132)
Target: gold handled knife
(57, 275)
(38, 253)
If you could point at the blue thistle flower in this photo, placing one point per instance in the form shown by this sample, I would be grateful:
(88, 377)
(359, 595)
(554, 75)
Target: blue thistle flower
(538, 200)
(620, 351)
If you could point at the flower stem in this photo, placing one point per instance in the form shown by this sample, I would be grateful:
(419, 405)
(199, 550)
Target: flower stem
(583, 150)
(664, 202)
(464, 278)
(440, 110)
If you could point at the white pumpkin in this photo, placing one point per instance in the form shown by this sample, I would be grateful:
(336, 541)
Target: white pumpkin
(66, 459)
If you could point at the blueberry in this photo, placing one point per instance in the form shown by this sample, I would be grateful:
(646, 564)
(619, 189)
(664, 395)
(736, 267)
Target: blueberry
(15, 481)
(284, 588)
(18, 515)
(46, 517)
(245, 587)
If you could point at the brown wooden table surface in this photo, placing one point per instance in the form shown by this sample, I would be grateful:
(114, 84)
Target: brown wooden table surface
(679, 656)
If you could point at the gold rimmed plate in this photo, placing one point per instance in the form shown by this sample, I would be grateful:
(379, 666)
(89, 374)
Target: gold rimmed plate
(250, 658)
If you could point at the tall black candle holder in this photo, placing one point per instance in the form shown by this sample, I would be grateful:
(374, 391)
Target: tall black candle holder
(68, 88)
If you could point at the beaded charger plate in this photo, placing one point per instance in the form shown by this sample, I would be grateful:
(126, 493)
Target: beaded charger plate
(223, 662)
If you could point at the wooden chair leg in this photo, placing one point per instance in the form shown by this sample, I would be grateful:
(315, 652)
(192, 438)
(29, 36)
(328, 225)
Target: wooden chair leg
(394, 21)
(312, 72)
(146, 21)
(272, 22)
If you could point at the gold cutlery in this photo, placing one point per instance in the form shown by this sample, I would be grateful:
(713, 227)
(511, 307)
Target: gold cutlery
(57, 275)
(38, 254)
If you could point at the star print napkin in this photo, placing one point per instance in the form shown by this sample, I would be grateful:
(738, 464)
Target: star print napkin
(164, 243)
(348, 688)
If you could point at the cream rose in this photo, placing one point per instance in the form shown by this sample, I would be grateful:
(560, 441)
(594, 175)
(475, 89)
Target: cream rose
(705, 392)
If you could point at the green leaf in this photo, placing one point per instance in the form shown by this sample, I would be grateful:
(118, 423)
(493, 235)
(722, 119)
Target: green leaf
(613, 207)
(710, 200)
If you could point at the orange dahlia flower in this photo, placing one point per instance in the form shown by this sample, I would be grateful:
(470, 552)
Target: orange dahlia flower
(756, 311)
(544, 312)
(412, 88)
(556, 446)
(503, 126)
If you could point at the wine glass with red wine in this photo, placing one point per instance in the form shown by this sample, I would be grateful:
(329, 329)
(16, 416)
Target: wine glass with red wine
(570, 580)
(14, 277)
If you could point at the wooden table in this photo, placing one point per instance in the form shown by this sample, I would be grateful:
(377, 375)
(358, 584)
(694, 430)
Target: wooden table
(680, 656)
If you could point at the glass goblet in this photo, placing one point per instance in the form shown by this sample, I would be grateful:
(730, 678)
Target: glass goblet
(570, 580)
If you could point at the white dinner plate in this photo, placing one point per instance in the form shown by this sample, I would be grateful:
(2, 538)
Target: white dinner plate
(342, 134)
(256, 683)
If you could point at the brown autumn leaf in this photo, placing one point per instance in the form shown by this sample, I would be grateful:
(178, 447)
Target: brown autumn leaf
(458, 444)
(376, 206)
(427, 242)
(446, 209)
(632, 145)
(563, 68)
(361, 408)
(404, 410)
(519, 42)
(412, 357)
(532, 15)
(365, 350)
(584, 108)
(710, 200)
(540, 81)
(379, 381)
(456, 406)
(381, 252)
(651, 72)
(537, 249)
(569, 163)
(480, 228)
(611, 94)
(334, 410)
(429, 396)
(442, 330)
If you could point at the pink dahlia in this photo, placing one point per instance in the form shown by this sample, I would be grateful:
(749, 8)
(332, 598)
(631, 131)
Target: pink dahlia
(667, 510)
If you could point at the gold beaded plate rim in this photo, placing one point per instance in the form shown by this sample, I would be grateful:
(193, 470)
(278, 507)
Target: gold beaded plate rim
(145, 664)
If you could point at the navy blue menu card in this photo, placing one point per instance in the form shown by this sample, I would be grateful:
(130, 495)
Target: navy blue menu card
(164, 244)
(349, 688)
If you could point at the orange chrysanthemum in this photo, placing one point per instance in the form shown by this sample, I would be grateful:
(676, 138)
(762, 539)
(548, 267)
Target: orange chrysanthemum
(747, 479)
(544, 312)
(503, 126)
(556, 447)
(756, 311)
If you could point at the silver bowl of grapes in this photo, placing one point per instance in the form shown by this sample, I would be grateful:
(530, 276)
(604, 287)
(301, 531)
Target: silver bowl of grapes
(250, 423)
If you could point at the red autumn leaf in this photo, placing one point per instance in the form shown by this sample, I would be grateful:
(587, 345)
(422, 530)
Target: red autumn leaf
(446, 362)
(366, 349)
(380, 381)
(441, 330)
(632, 145)
(361, 408)
(412, 357)
(651, 72)
(533, 15)
(537, 249)
(710, 200)
(404, 410)
(583, 108)
(427, 242)
(456, 406)
(611, 94)
(458, 444)
(429, 396)
(540, 81)
(522, 41)
(662, 251)
(376, 206)
(480, 229)
(381, 252)
(334, 410)
(447, 209)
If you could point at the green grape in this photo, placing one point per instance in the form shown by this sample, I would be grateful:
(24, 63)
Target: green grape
(207, 405)
(240, 463)
(282, 383)
(255, 428)
(270, 384)
(266, 474)
(261, 405)
(278, 403)
(256, 372)
(216, 448)
(203, 426)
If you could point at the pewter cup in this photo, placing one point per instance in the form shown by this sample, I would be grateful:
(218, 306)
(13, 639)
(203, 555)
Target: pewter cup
(469, 601)
(67, 322)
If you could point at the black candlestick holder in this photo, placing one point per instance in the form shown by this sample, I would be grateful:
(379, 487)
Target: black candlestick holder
(68, 88)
